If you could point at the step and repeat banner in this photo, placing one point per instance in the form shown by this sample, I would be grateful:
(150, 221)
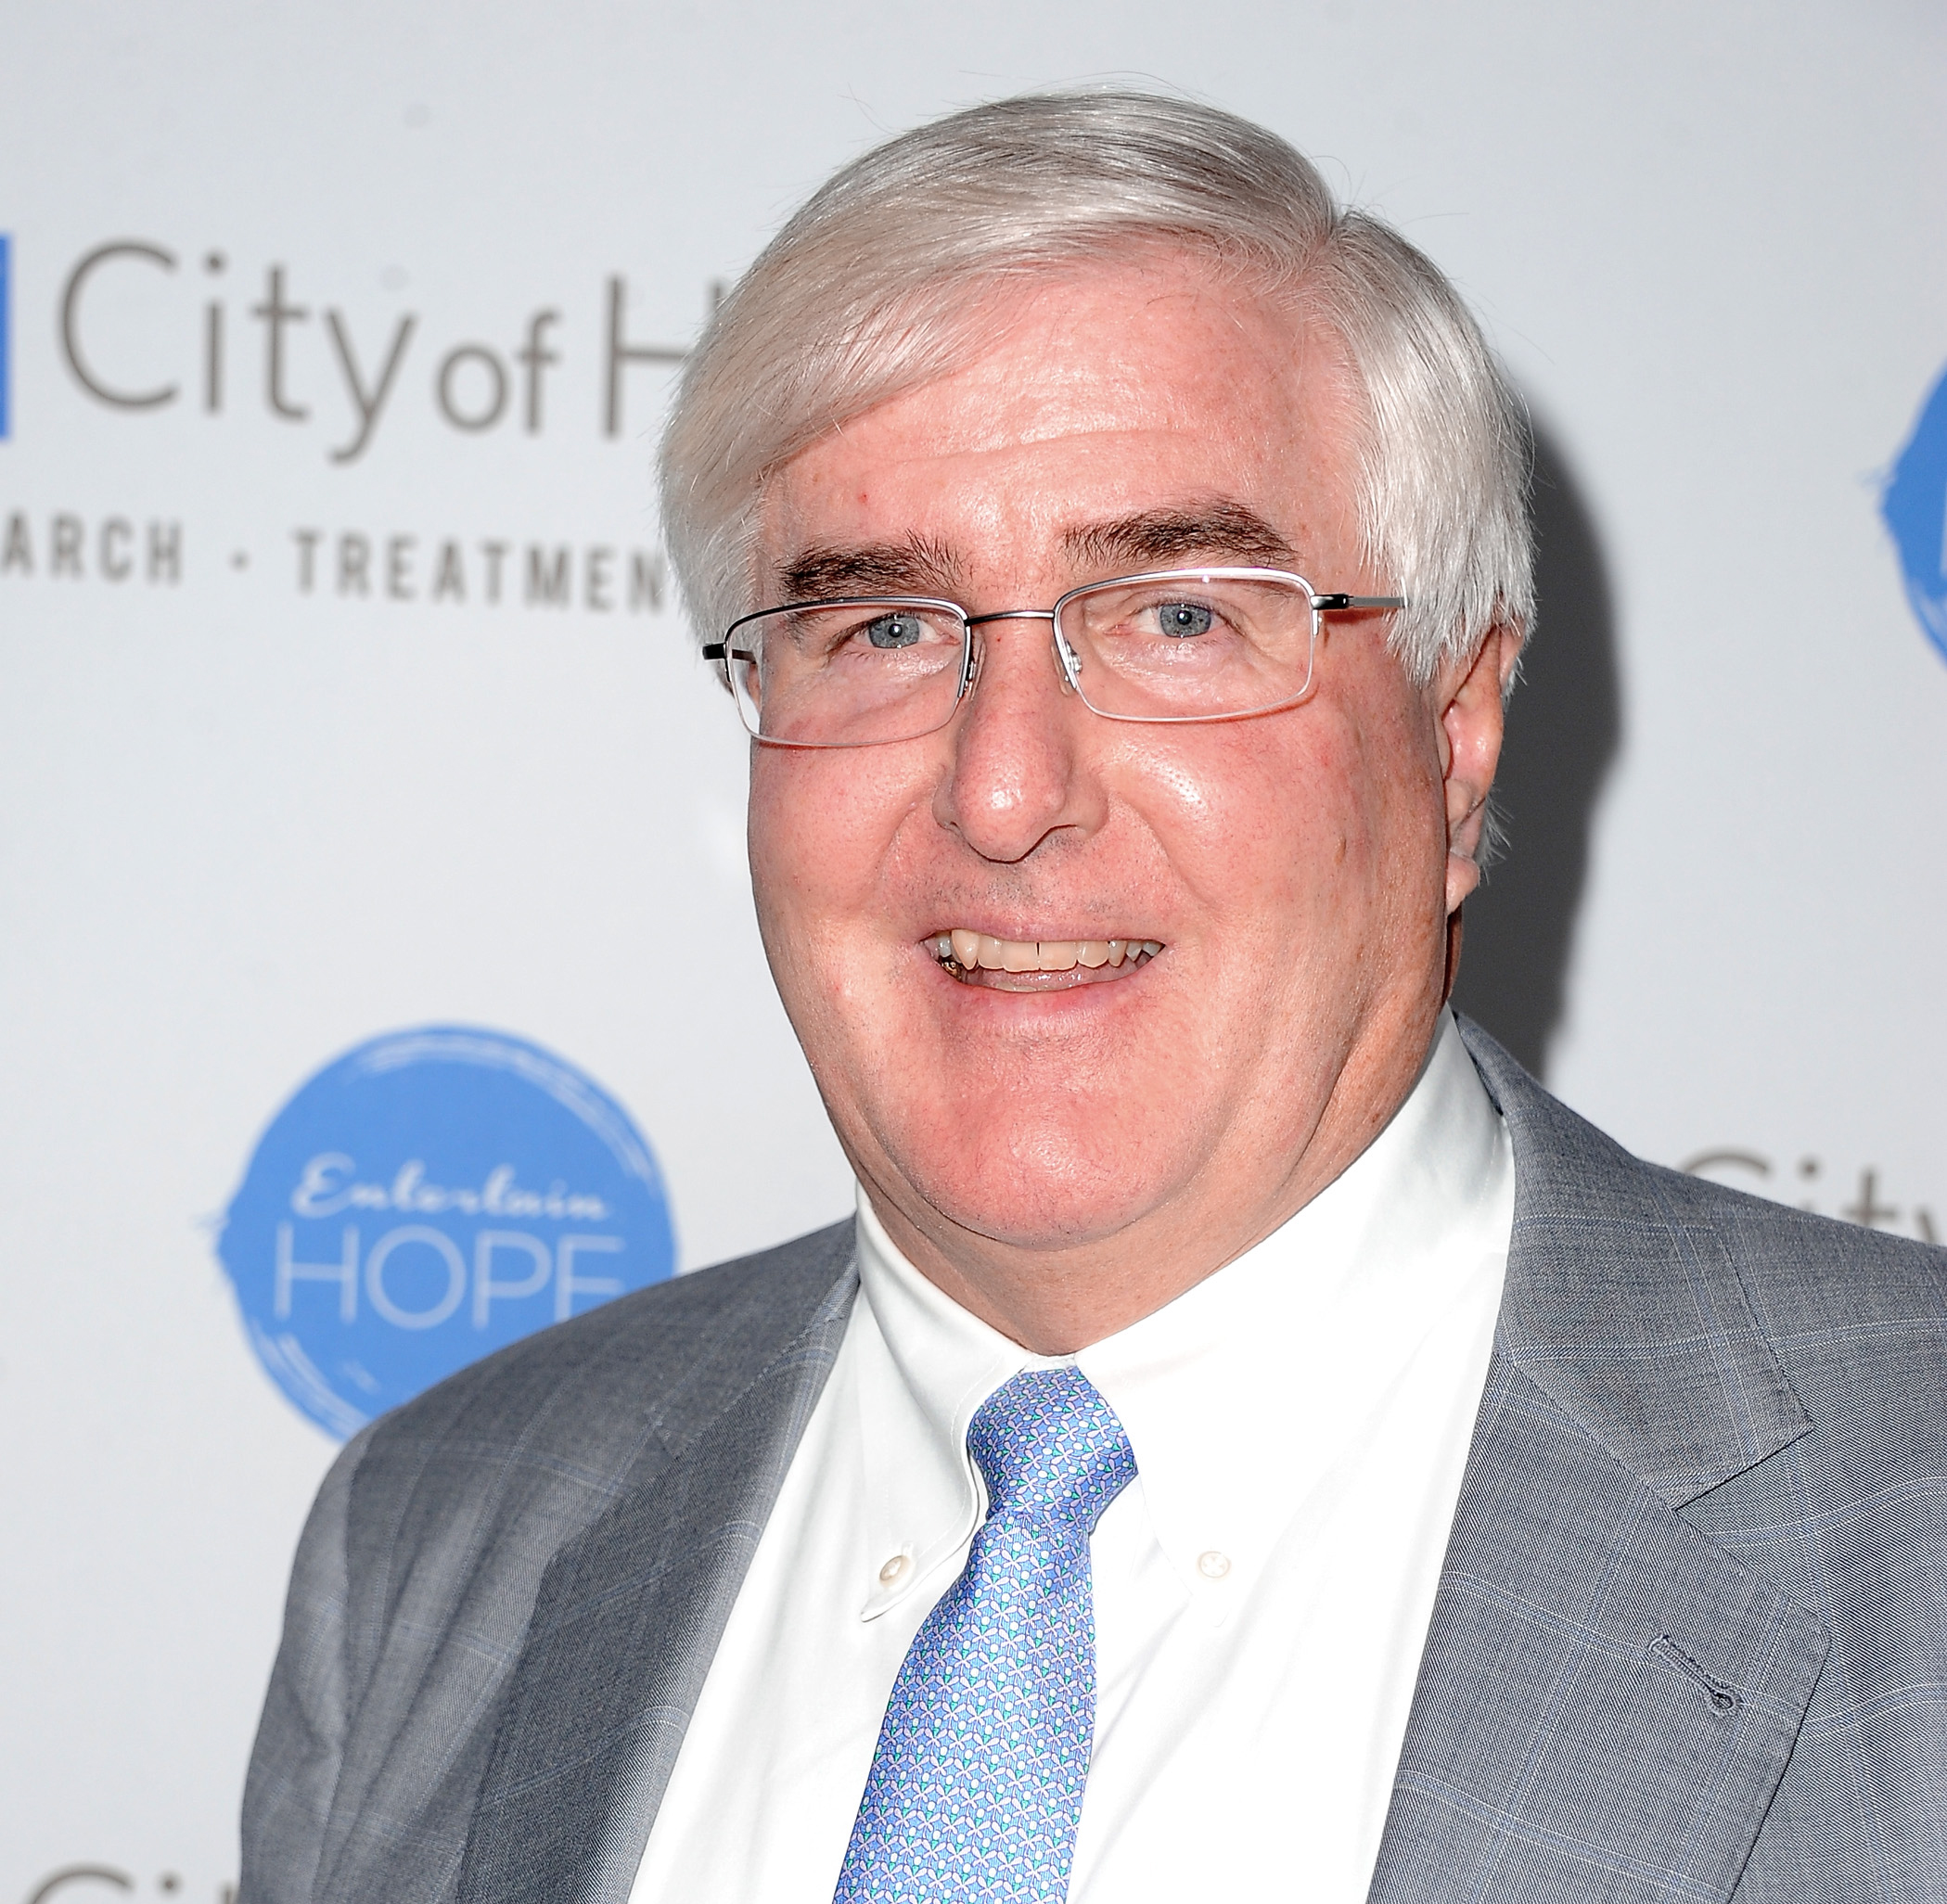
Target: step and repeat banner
(380, 980)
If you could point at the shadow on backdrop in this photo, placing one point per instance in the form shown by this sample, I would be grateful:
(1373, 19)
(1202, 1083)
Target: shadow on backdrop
(1563, 729)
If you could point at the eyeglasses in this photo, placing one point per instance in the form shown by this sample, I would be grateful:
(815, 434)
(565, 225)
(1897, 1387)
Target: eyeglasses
(1184, 645)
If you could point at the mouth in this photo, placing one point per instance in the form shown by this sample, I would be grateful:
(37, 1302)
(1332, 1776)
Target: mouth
(1029, 964)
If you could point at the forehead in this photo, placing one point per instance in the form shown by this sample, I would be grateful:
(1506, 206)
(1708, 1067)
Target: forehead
(1143, 386)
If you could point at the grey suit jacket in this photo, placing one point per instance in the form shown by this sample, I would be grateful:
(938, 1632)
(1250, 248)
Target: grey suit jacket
(1690, 1638)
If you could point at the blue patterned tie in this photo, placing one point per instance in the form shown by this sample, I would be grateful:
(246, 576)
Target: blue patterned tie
(975, 1786)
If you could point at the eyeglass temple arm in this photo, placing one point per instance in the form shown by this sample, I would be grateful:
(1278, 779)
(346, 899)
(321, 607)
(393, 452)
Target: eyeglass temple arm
(1327, 605)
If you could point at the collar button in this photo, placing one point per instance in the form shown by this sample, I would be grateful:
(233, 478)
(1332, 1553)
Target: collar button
(1212, 1565)
(894, 1570)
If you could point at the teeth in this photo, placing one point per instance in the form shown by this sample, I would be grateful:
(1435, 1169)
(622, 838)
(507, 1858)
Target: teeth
(970, 950)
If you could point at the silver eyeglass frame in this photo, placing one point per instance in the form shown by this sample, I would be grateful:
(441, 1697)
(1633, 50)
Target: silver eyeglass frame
(1067, 662)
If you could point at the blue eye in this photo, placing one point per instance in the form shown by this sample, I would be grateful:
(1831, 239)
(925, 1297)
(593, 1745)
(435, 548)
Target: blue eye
(894, 631)
(1179, 618)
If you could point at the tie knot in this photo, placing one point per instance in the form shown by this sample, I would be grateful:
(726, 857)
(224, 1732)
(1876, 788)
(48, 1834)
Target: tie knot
(1050, 1448)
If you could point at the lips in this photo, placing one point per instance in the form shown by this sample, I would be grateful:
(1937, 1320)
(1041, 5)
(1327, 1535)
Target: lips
(966, 953)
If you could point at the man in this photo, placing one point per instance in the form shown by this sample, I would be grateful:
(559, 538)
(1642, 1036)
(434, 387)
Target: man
(1252, 1440)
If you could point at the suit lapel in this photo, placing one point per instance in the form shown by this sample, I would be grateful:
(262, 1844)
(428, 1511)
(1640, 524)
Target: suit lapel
(1608, 1699)
(623, 1630)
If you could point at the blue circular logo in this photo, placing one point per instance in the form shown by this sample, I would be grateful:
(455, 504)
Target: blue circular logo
(428, 1198)
(1915, 508)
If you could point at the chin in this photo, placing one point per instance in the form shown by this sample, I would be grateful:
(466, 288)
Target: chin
(1043, 1184)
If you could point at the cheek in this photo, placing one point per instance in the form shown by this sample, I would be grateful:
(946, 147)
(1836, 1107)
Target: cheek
(826, 840)
(1275, 828)
(816, 836)
(1317, 845)
(1386, 800)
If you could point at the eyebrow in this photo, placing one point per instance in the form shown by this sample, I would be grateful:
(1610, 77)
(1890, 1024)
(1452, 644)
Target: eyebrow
(914, 565)
(917, 565)
(1219, 528)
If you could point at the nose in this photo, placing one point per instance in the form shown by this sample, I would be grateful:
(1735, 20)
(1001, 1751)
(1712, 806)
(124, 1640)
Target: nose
(1019, 772)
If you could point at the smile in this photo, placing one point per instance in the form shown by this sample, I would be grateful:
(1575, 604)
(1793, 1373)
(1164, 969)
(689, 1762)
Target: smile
(966, 954)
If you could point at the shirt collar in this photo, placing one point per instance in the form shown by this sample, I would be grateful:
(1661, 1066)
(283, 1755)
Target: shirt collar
(924, 1365)
(1243, 1396)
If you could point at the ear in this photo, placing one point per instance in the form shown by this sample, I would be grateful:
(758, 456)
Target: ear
(1471, 697)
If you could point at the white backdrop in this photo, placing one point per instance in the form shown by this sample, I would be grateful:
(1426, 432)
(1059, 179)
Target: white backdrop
(249, 824)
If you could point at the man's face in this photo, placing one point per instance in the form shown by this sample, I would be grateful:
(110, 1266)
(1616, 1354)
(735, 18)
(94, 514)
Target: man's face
(1293, 867)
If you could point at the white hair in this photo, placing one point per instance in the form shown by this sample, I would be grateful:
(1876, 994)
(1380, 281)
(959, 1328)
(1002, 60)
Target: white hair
(887, 279)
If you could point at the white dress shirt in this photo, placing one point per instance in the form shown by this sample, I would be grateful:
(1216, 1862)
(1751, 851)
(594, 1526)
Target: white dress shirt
(1301, 1421)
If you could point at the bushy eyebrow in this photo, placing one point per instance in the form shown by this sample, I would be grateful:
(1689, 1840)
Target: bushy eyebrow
(1225, 530)
(1157, 537)
(914, 567)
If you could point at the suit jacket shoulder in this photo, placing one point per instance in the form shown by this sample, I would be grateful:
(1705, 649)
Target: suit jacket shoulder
(419, 1572)
(1813, 1274)
(1618, 1262)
